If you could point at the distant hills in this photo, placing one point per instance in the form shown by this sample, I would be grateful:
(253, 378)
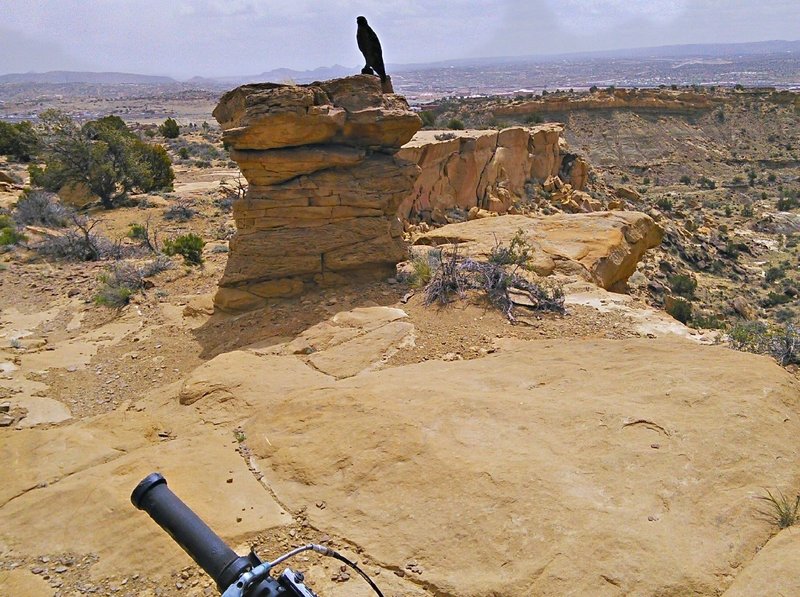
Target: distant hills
(65, 76)
(337, 70)
(280, 75)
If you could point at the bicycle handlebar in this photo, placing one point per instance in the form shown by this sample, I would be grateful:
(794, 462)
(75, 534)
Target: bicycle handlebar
(202, 544)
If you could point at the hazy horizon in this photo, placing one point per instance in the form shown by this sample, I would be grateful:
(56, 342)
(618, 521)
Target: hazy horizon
(219, 38)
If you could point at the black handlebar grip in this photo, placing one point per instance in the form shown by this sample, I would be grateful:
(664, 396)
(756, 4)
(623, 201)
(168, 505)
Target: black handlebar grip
(204, 546)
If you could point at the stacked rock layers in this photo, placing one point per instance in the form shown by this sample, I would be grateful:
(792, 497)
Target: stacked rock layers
(324, 185)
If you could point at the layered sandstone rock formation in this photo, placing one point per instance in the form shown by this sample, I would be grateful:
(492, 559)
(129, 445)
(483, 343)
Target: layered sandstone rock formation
(486, 169)
(324, 185)
(603, 248)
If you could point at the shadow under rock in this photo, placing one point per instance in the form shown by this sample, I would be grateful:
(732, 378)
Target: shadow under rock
(282, 320)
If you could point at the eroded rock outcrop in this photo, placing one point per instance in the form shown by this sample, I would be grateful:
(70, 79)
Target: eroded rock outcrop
(324, 185)
(601, 247)
(487, 169)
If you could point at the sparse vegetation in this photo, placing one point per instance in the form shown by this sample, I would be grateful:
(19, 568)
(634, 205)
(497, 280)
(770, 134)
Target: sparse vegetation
(428, 118)
(40, 208)
(455, 124)
(781, 510)
(8, 232)
(104, 155)
(706, 183)
(230, 190)
(782, 342)
(423, 267)
(180, 211)
(18, 141)
(497, 278)
(190, 246)
(125, 279)
(680, 309)
(79, 243)
(169, 129)
(683, 285)
(518, 253)
(664, 204)
(146, 234)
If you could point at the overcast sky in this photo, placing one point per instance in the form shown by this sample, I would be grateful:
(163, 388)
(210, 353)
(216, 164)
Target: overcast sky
(183, 38)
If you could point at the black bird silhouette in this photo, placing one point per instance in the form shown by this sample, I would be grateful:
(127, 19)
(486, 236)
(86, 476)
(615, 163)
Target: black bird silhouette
(371, 48)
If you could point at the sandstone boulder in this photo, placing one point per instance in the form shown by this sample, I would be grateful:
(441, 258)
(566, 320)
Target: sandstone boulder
(603, 247)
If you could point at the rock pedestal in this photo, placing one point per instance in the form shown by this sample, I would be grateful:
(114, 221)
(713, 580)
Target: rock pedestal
(324, 185)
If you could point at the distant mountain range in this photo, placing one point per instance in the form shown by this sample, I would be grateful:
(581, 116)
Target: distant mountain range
(65, 76)
(327, 72)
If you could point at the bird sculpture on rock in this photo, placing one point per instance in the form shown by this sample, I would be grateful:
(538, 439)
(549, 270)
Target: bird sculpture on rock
(371, 48)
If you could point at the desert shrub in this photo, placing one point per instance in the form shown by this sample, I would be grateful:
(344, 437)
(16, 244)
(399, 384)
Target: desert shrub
(80, 243)
(423, 267)
(455, 124)
(664, 204)
(9, 235)
(707, 321)
(18, 141)
(771, 177)
(146, 234)
(123, 279)
(181, 211)
(155, 266)
(685, 179)
(183, 153)
(455, 276)
(40, 208)
(781, 510)
(498, 283)
(683, 285)
(518, 253)
(428, 118)
(681, 310)
(118, 284)
(747, 210)
(747, 336)
(169, 129)
(448, 279)
(788, 201)
(190, 246)
(534, 119)
(706, 183)
(782, 342)
(776, 298)
(230, 190)
(102, 154)
(774, 273)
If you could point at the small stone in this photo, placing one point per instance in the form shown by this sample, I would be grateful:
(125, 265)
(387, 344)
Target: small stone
(321, 505)
(5, 407)
(37, 570)
(61, 570)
